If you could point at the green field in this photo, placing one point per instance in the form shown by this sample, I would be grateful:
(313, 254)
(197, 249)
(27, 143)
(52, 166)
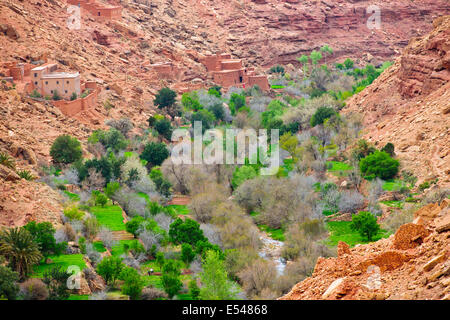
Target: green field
(99, 247)
(110, 217)
(180, 209)
(118, 249)
(341, 231)
(63, 261)
(393, 185)
(393, 204)
(79, 297)
(337, 166)
(275, 234)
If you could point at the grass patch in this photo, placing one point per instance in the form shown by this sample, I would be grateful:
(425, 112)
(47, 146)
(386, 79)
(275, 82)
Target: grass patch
(118, 249)
(180, 209)
(109, 216)
(72, 196)
(145, 196)
(184, 296)
(393, 203)
(275, 234)
(63, 261)
(341, 231)
(154, 281)
(79, 297)
(393, 185)
(336, 166)
(274, 86)
(98, 246)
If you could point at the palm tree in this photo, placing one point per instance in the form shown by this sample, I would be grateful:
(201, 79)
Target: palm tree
(17, 245)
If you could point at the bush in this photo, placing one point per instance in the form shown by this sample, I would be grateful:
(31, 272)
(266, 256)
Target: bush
(164, 128)
(7, 161)
(8, 283)
(389, 149)
(187, 254)
(321, 114)
(110, 268)
(155, 153)
(165, 98)
(242, 174)
(187, 231)
(366, 224)
(73, 96)
(34, 289)
(153, 294)
(66, 149)
(379, 164)
(56, 96)
(205, 117)
(25, 174)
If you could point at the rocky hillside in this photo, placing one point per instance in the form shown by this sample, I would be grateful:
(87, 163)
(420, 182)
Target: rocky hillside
(409, 105)
(412, 264)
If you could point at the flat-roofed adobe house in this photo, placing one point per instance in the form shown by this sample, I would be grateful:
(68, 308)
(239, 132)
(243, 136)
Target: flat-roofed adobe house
(98, 10)
(229, 72)
(46, 81)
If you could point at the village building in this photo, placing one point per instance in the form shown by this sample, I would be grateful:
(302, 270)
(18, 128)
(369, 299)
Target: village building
(99, 11)
(48, 82)
(229, 72)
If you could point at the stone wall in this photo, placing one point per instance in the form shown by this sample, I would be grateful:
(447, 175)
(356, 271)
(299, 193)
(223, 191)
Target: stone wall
(71, 108)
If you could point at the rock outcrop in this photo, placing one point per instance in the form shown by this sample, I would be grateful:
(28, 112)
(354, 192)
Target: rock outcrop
(386, 269)
(408, 105)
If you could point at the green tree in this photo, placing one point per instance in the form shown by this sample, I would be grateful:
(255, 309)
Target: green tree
(66, 149)
(112, 139)
(187, 254)
(389, 148)
(348, 63)
(366, 224)
(205, 117)
(194, 290)
(315, 57)
(159, 257)
(111, 188)
(237, 101)
(155, 153)
(44, 236)
(216, 285)
(133, 283)
(171, 277)
(133, 225)
(379, 164)
(326, 50)
(218, 111)
(8, 283)
(187, 231)
(164, 128)
(189, 100)
(101, 200)
(18, 247)
(304, 59)
(321, 114)
(165, 98)
(110, 268)
(242, 174)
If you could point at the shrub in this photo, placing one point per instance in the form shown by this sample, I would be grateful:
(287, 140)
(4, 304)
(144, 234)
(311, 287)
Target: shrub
(8, 283)
(171, 277)
(366, 224)
(389, 149)
(66, 149)
(380, 164)
(34, 289)
(133, 283)
(56, 96)
(7, 161)
(164, 128)
(25, 174)
(124, 125)
(322, 114)
(187, 231)
(205, 117)
(242, 174)
(112, 139)
(155, 153)
(150, 293)
(277, 69)
(43, 234)
(165, 98)
(74, 96)
(110, 268)
(424, 185)
(187, 254)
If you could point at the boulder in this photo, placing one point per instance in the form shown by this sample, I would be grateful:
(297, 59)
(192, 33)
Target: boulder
(7, 174)
(409, 236)
(342, 249)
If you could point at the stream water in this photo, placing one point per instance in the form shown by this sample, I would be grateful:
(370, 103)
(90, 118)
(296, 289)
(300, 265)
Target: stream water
(271, 250)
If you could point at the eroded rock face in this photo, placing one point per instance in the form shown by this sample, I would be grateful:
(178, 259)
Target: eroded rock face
(407, 106)
(395, 268)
